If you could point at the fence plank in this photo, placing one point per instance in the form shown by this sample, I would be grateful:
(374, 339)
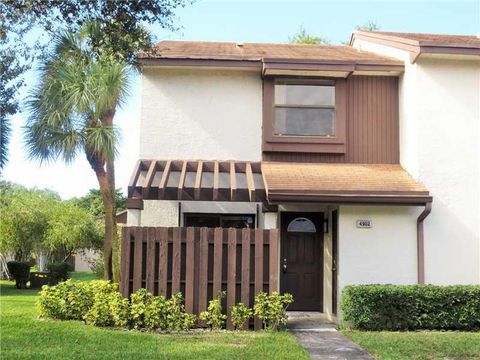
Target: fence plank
(150, 281)
(137, 259)
(190, 270)
(258, 269)
(217, 260)
(125, 275)
(176, 259)
(203, 270)
(245, 292)
(273, 260)
(162, 234)
(245, 287)
(231, 273)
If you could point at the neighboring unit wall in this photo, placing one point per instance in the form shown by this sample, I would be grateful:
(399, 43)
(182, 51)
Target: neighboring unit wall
(440, 146)
(371, 121)
(84, 259)
(386, 253)
(201, 114)
(448, 109)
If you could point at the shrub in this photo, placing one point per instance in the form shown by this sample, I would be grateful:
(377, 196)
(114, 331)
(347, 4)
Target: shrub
(240, 315)
(271, 309)
(176, 318)
(71, 300)
(109, 309)
(156, 312)
(411, 307)
(20, 272)
(213, 317)
(138, 304)
(120, 308)
(59, 271)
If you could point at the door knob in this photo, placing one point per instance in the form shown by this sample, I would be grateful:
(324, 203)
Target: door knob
(284, 265)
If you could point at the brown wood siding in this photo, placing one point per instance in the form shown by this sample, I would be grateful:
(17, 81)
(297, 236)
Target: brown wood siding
(200, 262)
(372, 125)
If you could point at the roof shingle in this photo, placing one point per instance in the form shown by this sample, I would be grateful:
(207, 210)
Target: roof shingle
(332, 178)
(261, 51)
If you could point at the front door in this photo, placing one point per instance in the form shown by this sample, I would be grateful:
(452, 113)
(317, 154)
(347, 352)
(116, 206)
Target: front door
(302, 260)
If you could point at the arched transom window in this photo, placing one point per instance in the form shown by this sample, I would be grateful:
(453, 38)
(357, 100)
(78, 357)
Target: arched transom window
(301, 224)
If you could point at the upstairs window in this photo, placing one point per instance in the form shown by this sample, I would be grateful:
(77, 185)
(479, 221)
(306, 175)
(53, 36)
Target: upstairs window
(304, 115)
(304, 109)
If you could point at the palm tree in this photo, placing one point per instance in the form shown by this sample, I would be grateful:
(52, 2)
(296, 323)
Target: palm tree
(4, 139)
(72, 110)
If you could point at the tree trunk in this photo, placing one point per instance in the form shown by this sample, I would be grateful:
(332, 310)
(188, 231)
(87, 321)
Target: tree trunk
(109, 206)
(105, 171)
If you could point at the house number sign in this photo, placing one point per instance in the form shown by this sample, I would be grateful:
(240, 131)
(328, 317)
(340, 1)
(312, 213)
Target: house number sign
(364, 224)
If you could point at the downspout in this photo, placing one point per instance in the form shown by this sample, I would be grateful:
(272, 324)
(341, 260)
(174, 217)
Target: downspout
(421, 243)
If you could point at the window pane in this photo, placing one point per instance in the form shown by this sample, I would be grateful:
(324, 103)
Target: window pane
(304, 122)
(305, 95)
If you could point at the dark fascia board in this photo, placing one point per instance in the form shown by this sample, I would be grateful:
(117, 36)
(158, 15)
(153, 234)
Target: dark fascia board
(342, 198)
(415, 47)
(174, 62)
(332, 65)
(291, 64)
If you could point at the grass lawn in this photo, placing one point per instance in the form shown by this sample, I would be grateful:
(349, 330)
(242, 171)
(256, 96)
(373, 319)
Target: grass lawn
(83, 276)
(25, 337)
(418, 344)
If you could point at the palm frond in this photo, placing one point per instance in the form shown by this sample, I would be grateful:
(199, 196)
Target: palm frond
(78, 87)
(5, 131)
(101, 141)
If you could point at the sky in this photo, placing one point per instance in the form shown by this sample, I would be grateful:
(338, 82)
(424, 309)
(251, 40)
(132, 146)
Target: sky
(244, 21)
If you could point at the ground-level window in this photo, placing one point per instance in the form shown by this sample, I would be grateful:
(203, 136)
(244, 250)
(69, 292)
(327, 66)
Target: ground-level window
(220, 220)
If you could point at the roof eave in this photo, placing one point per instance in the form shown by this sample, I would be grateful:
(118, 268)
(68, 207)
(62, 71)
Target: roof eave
(414, 47)
(277, 197)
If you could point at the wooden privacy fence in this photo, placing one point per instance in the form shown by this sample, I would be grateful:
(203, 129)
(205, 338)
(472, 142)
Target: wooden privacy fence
(200, 262)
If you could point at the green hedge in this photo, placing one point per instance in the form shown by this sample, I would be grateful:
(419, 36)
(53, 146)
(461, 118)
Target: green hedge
(411, 307)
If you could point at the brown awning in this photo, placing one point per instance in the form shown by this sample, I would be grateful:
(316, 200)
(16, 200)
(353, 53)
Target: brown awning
(341, 183)
(197, 180)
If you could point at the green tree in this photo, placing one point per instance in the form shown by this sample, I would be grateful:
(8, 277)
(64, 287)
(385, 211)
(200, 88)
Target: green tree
(93, 202)
(72, 110)
(71, 228)
(4, 140)
(34, 220)
(122, 32)
(24, 220)
(370, 25)
(14, 60)
(302, 37)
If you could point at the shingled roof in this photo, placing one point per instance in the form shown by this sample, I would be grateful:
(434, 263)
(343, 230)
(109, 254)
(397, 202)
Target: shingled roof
(341, 183)
(257, 52)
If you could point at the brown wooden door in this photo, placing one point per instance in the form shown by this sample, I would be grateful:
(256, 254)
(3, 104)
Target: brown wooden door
(302, 260)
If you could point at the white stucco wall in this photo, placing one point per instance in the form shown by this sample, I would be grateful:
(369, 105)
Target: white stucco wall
(159, 213)
(440, 146)
(201, 114)
(448, 110)
(384, 254)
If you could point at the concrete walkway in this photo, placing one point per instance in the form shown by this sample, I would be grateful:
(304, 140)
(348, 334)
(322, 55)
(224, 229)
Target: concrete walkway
(321, 338)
